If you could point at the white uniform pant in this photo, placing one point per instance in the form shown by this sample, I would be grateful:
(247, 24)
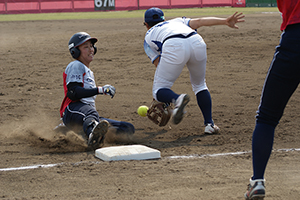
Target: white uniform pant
(176, 53)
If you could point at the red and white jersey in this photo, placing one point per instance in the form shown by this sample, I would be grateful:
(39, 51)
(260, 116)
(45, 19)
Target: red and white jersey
(290, 10)
(76, 71)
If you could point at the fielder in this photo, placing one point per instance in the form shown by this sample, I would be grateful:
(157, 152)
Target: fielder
(78, 109)
(171, 45)
(281, 82)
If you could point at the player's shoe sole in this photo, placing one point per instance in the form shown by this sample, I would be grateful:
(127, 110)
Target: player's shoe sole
(255, 198)
(178, 111)
(256, 190)
(97, 136)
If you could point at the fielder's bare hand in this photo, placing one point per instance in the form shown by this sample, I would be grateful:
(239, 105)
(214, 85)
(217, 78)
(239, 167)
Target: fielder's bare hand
(235, 18)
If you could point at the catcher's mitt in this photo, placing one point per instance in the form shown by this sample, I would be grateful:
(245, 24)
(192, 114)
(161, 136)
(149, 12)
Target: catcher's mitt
(159, 113)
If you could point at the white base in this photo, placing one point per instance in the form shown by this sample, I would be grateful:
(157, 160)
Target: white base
(128, 152)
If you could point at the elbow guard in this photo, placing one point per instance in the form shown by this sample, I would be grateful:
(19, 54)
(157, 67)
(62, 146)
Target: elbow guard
(71, 91)
(72, 95)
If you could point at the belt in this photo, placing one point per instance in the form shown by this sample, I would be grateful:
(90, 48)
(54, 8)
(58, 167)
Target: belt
(180, 36)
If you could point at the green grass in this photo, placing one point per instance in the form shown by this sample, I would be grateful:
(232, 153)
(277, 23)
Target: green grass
(191, 12)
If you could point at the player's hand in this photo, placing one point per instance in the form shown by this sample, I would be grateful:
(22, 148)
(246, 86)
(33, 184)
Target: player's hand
(235, 18)
(109, 90)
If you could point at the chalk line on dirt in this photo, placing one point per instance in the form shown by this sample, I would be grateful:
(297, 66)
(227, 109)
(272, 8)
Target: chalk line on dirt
(169, 157)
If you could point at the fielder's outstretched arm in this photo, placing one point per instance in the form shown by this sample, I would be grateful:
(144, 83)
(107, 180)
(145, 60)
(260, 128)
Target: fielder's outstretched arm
(212, 21)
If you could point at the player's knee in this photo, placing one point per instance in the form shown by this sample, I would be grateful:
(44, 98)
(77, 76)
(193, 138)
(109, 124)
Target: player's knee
(88, 124)
(266, 119)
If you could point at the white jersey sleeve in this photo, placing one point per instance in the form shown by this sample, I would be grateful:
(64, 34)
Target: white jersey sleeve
(152, 54)
(183, 20)
(75, 72)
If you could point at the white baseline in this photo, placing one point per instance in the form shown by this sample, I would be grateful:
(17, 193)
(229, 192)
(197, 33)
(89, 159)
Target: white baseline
(170, 157)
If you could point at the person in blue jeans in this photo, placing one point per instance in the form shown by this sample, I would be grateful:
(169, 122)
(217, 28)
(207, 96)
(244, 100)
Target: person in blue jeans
(281, 82)
(78, 109)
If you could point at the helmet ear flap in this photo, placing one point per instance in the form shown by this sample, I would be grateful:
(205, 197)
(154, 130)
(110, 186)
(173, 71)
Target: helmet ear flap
(75, 52)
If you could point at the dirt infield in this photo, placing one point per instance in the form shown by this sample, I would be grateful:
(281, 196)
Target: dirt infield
(34, 55)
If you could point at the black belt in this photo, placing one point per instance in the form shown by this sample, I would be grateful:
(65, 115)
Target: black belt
(180, 36)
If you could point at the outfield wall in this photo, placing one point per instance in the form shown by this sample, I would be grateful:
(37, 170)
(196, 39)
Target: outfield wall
(261, 3)
(52, 6)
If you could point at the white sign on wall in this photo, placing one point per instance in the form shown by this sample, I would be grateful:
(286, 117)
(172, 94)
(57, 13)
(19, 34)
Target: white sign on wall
(104, 4)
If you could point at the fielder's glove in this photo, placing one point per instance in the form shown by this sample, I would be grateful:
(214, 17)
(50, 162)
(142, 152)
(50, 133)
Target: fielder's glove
(107, 90)
(159, 113)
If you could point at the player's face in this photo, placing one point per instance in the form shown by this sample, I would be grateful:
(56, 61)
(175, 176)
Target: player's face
(86, 52)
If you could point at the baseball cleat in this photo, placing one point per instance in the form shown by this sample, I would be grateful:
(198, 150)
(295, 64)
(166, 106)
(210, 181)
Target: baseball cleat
(97, 135)
(256, 190)
(211, 129)
(178, 111)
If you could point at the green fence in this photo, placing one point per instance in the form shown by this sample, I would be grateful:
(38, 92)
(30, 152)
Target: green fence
(261, 3)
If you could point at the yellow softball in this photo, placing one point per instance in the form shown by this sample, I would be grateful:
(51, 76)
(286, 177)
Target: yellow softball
(142, 111)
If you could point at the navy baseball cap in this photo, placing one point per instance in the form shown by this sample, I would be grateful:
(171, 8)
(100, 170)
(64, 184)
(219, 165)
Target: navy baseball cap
(154, 15)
